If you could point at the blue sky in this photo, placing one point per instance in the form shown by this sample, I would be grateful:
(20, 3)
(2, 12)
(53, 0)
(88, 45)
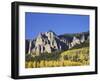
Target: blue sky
(59, 23)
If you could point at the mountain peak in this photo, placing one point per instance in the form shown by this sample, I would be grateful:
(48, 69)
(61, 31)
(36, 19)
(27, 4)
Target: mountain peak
(47, 42)
(50, 31)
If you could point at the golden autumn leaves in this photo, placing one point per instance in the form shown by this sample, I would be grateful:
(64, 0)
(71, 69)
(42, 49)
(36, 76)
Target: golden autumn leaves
(75, 57)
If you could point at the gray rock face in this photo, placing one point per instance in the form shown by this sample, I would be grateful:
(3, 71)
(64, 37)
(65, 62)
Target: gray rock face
(82, 38)
(29, 50)
(47, 48)
(75, 41)
(48, 42)
(45, 42)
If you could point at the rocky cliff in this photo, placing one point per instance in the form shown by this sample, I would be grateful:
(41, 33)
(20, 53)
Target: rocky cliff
(48, 42)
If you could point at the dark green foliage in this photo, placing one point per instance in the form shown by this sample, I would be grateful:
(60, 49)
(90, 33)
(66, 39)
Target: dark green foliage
(66, 57)
(28, 57)
(70, 36)
(45, 56)
(85, 44)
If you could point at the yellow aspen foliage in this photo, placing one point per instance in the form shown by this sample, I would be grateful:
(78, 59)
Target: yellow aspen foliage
(37, 64)
(42, 64)
(74, 57)
(30, 64)
(34, 64)
(46, 64)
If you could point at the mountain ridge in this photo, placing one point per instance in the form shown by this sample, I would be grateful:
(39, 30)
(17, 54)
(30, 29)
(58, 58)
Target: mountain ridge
(49, 42)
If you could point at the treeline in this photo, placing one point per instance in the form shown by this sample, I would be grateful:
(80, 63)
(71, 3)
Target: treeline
(44, 56)
(75, 57)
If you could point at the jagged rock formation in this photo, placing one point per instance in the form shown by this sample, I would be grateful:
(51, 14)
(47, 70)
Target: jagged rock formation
(48, 42)
(82, 39)
(75, 41)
